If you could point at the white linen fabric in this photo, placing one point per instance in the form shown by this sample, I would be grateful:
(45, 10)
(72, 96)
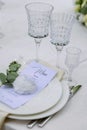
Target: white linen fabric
(16, 43)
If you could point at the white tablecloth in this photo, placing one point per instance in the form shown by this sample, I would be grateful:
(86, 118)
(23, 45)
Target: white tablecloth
(16, 43)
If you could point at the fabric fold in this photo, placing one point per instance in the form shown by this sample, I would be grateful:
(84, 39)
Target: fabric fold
(3, 116)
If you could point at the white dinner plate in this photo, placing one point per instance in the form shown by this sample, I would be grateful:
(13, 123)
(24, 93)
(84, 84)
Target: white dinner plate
(56, 108)
(43, 101)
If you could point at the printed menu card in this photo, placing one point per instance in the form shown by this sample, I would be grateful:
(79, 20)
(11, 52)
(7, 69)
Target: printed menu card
(38, 72)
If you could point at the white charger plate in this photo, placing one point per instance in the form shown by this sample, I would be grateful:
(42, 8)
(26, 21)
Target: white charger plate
(56, 108)
(43, 101)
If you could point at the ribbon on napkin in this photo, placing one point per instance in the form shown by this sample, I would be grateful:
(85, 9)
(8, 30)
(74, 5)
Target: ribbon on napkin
(4, 115)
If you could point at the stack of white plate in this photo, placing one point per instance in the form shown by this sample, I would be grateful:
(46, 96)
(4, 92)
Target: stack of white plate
(49, 101)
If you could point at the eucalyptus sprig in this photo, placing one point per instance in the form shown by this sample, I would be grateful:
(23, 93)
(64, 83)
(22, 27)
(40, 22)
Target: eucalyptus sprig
(11, 74)
(81, 10)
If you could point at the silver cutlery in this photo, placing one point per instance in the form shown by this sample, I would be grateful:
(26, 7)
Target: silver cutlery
(32, 123)
(43, 121)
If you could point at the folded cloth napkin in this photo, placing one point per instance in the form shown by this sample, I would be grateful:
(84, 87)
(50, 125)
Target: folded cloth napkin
(3, 115)
(60, 75)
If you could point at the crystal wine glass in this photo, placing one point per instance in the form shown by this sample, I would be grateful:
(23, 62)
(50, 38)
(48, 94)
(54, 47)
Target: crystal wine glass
(38, 21)
(60, 31)
(72, 61)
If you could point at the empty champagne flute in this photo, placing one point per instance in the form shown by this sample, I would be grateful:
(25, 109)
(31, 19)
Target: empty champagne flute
(60, 31)
(72, 61)
(38, 21)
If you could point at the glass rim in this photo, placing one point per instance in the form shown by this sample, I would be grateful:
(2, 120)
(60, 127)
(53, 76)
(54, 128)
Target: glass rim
(44, 3)
(63, 12)
(57, 14)
(74, 51)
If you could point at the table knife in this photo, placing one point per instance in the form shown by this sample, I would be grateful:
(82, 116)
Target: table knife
(43, 121)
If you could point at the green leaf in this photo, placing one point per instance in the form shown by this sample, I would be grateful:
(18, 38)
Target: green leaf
(8, 84)
(84, 9)
(13, 62)
(11, 77)
(78, 2)
(2, 78)
(11, 74)
(14, 66)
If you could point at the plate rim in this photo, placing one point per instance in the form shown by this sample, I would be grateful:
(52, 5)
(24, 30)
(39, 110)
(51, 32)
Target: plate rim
(39, 111)
(48, 112)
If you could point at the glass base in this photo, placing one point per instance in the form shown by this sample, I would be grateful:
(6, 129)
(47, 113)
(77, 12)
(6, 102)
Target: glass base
(71, 82)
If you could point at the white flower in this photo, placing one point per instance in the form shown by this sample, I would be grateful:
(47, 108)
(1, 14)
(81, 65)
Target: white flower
(81, 11)
(85, 18)
(77, 8)
(23, 85)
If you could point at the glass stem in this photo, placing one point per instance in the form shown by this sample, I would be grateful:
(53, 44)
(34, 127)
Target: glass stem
(37, 41)
(70, 74)
(59, 49)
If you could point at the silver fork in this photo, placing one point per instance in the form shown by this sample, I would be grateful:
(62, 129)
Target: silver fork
(34, 122)
(43, 121)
